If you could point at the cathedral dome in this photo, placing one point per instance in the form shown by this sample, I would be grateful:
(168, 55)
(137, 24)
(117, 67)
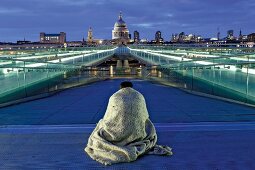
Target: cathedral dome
(120, 31)
(120, 22)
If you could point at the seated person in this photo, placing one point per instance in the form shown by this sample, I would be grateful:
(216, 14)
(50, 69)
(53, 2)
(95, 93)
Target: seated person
(125, 132)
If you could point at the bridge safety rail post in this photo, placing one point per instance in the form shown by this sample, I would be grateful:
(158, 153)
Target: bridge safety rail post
(247, 80)
(48, 80)
(214, 80)
(25, 82)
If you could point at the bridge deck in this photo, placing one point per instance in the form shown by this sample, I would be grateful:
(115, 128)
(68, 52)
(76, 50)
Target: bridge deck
(86, 105)
(195, 146)
(51, 133)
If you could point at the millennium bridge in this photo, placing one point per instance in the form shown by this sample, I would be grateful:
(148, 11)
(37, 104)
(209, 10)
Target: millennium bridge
(200, 98)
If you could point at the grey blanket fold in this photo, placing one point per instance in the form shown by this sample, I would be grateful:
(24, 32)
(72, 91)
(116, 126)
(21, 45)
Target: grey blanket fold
(125, 132)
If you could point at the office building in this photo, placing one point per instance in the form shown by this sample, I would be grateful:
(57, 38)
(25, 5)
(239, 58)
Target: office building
(53, 38)
(158, 38)
(136, 37)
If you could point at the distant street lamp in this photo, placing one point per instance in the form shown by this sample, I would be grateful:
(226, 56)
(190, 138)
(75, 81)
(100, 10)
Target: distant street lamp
(65, 46)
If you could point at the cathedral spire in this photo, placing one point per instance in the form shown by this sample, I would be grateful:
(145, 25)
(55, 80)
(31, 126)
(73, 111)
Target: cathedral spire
(90, 35)
(120, 16)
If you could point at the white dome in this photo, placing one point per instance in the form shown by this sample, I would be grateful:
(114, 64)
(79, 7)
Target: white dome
(120, 22)
(120, 30)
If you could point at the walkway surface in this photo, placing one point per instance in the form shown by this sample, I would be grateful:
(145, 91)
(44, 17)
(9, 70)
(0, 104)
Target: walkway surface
(204, 133)
(86, 105)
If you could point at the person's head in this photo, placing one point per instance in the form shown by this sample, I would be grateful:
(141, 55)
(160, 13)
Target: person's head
(125, 84)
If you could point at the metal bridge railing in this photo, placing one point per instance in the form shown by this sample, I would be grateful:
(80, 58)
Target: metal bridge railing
(230, 77)
(22, 77)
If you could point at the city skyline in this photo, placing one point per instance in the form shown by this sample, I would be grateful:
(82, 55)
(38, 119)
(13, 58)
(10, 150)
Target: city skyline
(28, 18)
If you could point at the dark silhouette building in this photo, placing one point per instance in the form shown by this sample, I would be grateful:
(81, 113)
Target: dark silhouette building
(218, 33)
(230, 34)
(181, 37)
(53, 38)
(136, 37)
(158, 38)
(251, 37)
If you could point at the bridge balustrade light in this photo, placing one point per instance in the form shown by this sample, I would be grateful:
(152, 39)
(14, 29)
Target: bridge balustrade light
(21, 70)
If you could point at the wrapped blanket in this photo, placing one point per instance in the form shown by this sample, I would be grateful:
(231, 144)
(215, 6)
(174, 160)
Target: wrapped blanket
(125, 132)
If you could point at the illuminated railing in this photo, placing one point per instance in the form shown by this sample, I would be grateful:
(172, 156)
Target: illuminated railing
(220, 72)
(25, 76)
(231, 76)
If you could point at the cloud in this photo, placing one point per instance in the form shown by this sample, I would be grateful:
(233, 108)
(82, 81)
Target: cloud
(157, 24)
(108, 28)
(169, 16)
(79, 2)
(7, 11)
(145, 25)
(186, 25)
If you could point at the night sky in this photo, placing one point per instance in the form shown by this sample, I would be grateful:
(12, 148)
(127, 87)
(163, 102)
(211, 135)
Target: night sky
(27, 18)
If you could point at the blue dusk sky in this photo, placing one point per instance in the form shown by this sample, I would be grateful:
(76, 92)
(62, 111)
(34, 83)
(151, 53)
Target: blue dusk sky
(27, 18)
